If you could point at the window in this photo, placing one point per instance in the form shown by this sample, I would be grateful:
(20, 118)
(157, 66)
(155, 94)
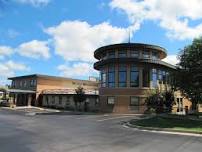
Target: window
(60, 100)
(32, 83)
(103, 78)
(21, 83)
(134, 103)
(111, 76)
(13, 83)
(168, 78)
(160, 76)
(111, 54)
(164, 77)
(122, 75)
(154, 78)
(25, 83)
(47, 99)
(146, 77)
(123, 54)
(146, 54)
(134, 54)
(179, 104)
(155, 55)
(96, 101)
(67, 101)
(53, 99)
(134, 76)
(110, 100)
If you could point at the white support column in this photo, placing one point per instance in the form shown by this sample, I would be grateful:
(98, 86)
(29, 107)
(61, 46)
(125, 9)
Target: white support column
(29, 100)
(15, 99)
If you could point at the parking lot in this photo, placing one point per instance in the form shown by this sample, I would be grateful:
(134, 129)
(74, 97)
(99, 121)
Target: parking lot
(84, 133)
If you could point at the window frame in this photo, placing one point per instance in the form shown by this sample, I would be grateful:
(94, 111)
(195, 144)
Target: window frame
(103, 75)
(134, 69)
(154, 72)
(146, 54)
(135, 106)
(122, 53)
(110, 103)
(134, 55)
(144, 70)
(155, 55)
(122, 70)
(111, 72)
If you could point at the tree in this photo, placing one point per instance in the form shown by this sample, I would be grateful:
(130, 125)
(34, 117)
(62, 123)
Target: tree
(160, 101)
(189, 72)
(79, 97)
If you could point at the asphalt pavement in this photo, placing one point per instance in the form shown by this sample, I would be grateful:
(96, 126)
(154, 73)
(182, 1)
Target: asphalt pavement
(84, 133)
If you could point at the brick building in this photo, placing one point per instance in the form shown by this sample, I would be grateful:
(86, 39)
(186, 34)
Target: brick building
(50, 91)
(129, 71)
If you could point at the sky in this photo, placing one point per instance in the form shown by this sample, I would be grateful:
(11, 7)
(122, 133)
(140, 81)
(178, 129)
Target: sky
(58, 37)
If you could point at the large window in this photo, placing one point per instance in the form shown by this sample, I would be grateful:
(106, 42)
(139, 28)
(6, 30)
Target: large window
(155, 55)
(146, 54)
(160, 76)
(122, 75)
(111, 76)
(164, 77)
(122, 53)
(103, 78)
(168, 78)
(134, 54)
(146, 77)
(134, 76)
(110, 100)
(111, 54)
(154, 78)
(134, 103)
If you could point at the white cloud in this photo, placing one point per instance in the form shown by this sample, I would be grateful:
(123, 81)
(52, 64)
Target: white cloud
(76, 40)
(76, 70)
(172, 59)
(174, 16)
(35, 3)
(5, 51)
(10, 67)
(34, 49)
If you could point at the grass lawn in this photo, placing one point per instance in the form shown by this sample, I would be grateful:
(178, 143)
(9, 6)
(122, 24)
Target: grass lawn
(171, 123)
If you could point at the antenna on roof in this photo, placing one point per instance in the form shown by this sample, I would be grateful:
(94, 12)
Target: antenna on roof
(129, 35)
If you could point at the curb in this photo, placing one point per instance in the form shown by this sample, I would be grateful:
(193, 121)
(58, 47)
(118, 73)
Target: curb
(162, 130)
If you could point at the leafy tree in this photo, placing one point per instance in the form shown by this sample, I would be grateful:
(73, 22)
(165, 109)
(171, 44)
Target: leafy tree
(79, 97)
(160, 101)
(189, 72)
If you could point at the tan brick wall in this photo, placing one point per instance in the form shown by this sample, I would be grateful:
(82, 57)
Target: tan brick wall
(186, 102)
(48, 83)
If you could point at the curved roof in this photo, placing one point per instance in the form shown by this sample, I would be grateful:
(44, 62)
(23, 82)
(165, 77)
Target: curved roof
(98, 52)
(99, 64)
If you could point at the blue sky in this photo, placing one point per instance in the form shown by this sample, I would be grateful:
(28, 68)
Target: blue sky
(58, 37)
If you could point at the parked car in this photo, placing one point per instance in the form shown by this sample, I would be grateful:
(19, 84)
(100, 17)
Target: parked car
(4, 103)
